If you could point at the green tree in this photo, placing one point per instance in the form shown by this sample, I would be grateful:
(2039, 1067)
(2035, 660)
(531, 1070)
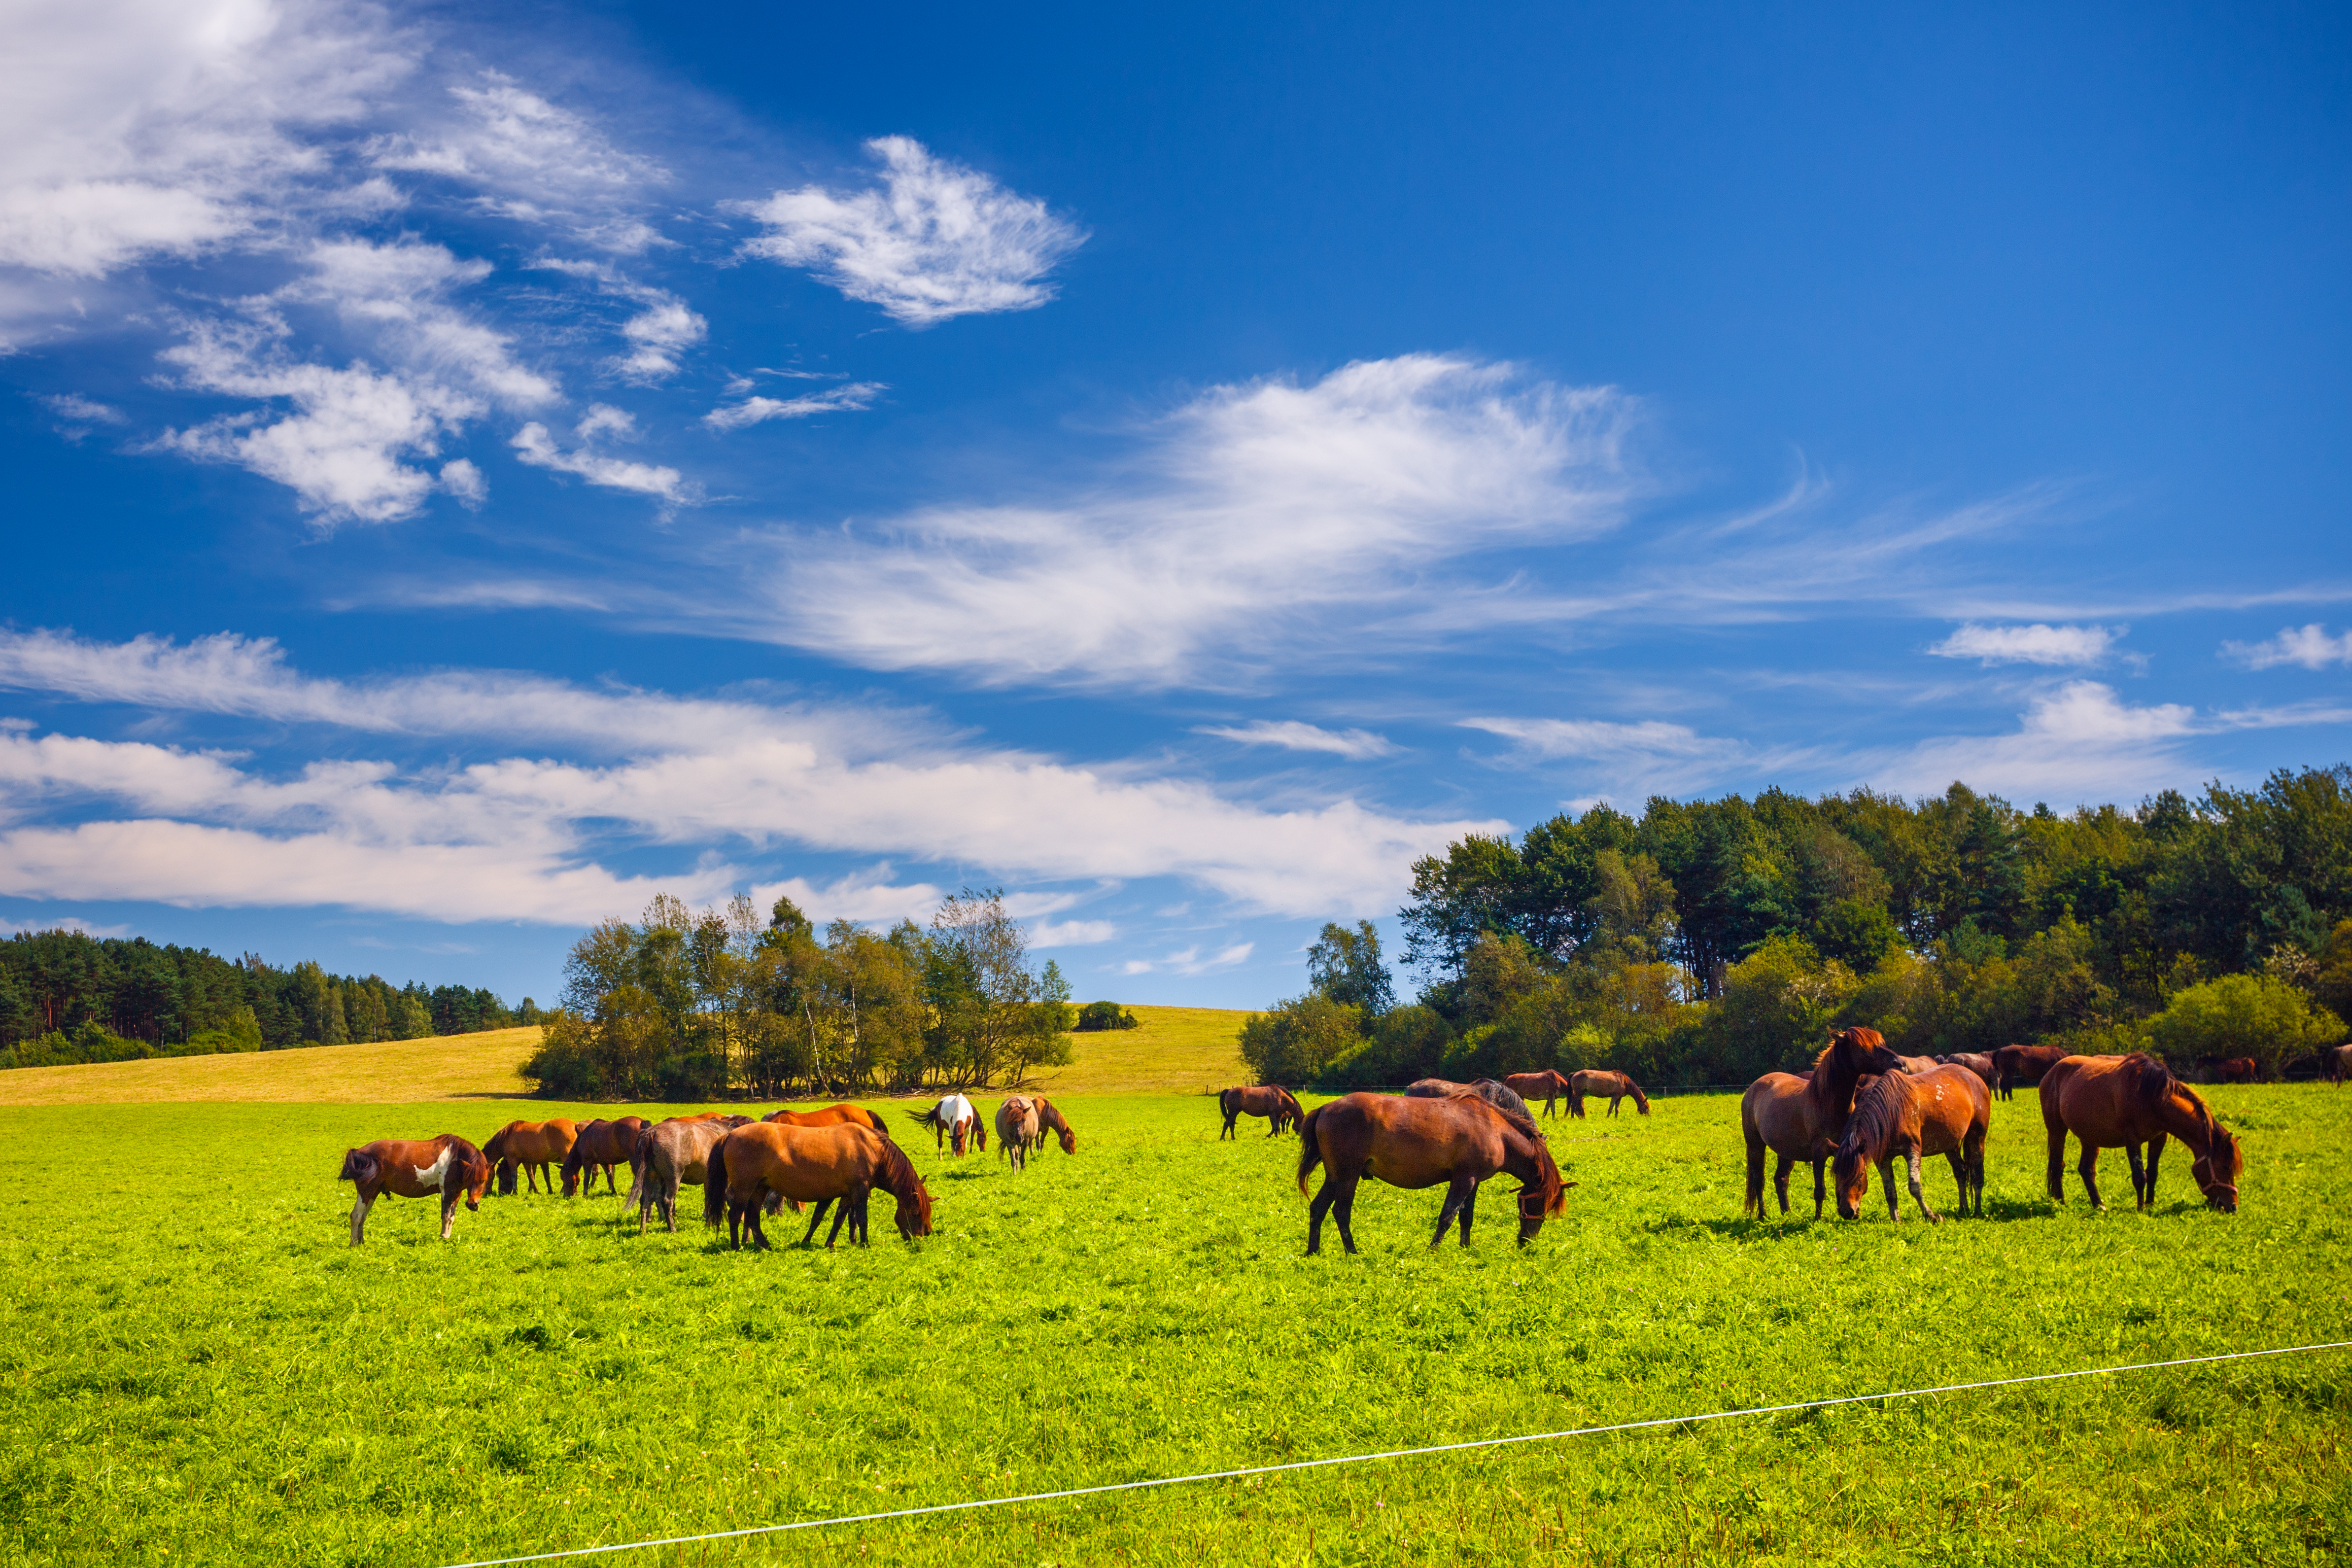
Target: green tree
(1346, 967)
(2245, 1015)
(1296, 1041)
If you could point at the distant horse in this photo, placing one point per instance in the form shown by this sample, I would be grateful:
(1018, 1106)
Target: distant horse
(1977, 1061)
(1017, 1131)
(1948, 1111)
(1501, 1096)
(1615, 1086)
(1546, 1086)
(2337, 1064)
(831, 1116)
(1917, 1065)
(1415, 1143)
(2107, 1100)
(671, 1153)
(534, 1146)
(411, 1167)
(2016, 1065)
(1276, 1104)
(1050, 1120)
(754, 1167)
(1801, 1118)
(951, 1122)
(601, 1143)
(2229, 1069)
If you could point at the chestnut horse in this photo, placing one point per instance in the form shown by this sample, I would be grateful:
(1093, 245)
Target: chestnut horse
(2106, 1101)
(831, 1116)
(670, 1153)
(535, 1146)
(953, 1121)
(1546, 1086)
(2016, 1065)
(1977, 1061)
(1803, 1117)
(411, 1167)
(1948, 1111)
(1017, 1131)
(1418, 1143)
(1276, 1104)
(1615, 1085)
(1050, 1120)
(2230, 1068)
(754, 1166)
(606, 1144)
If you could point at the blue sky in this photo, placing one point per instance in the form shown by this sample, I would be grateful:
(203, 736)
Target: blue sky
(473, 468)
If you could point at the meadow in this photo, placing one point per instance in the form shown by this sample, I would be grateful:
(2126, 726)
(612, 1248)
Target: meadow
(196, 1367)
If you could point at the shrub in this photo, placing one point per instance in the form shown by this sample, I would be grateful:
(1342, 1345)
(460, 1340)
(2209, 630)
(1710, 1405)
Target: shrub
(2244, 1014)
(1101, 1015)
(1298, 1039)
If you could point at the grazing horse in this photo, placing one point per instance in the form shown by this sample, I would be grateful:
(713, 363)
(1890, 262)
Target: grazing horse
(535, 1146)
(2107, 1100)
(1416, 1143)
(831, 1116)
(1276, 1104)
(1017, 1131)
(1615, 1085)
(2338, 1063)
(1050, 1120)
(606, 1144)
(411, 1167)
(1803, 1117)
(671, 1153)
(1501, 1096)
(2016, 1065)
(1546, 1086)
(951, 1122)
(2229, 1069)
(1977, 1061)
(1948, 1111)
(754, 1166)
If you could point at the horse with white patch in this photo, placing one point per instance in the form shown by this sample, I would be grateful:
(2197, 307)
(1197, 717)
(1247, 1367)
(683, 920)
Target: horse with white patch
(412, 1167)
(953, 1121)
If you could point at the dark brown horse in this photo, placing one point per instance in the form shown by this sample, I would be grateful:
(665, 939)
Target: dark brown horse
(2016, 1065)
(2230, 1068)
(1612, 1086)
(1276, 1104)
(1501, 1096)
(601, 1144)
(672, 1154)
(411, 1167)
(536, 1148)
(1546, 1086)
(753, 1167)
(1977, 1061)
(1417, 1143)
(1948, 1111)
(1803, 1117)
(2337, 1064)
(1050, 1120)
(2127, 1100)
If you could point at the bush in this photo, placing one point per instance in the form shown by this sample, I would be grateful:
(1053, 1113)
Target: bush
(1299, 1038)
(2244, 1014)
(1405, 1043)
(1103, 1015)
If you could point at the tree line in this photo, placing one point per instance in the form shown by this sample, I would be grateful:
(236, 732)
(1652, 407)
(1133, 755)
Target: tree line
(1706, 942)
(688, 1005)
(67, 997)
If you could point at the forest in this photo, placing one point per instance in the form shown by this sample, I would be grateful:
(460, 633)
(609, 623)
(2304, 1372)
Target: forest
(67, 997)
(1706, 942)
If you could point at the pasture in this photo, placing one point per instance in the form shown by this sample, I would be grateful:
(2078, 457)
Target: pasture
(196, 1367)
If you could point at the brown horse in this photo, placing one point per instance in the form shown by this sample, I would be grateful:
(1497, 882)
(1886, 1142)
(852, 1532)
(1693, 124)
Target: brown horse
(2016, 1065)
(1050, 1120)
(2338, 1063)
(1017, 1131)
(1500, 1095)
(1546, 1086)
(2229, 1069)
(831, 1116)
(670, 1153)
(1977, 1061)
(953, 1122)
(1915, 1065)
(1415, 1143)
(1615, 1086)
(604, 1144)
(2107, 1100)
(533, 1147)
(1802, 1118)
(1948, 1111)
(1276, 1104)
(754, 1166)
(411, 1167)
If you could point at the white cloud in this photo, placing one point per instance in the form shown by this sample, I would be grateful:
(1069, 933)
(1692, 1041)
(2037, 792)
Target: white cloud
(2308, 646)
(846, 399)
(1070, 933)
(1626, 763)
(85, 411)
(2078, 742)
(533, 445)
(535, 159)
(2036, 644)
(62, 923)
(657, 336)
(400, 291)
(1293, 734)
(937, 241)
(1190, 961)
(868, 897)
(1255, 510)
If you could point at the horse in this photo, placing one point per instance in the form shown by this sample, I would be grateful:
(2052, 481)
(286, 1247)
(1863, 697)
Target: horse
(2337, 1064)
(1415, 1142)
(1501, 1096)
(756, 1165)
(601, 1143)
(1977, 1061)
(2106, 1101)
(1276, 1104)
(670, 1153)
(2016, 1065)
(1050, 1120)
(831, 1116)
(1017, 1131)
(1918, 1065)
(1948, 1111)
(411, 1167)
(528, 1145)
(1548, 1086)
(1803, 1117)
(953, 1121)
(1615, 1085)
(2229, 1069)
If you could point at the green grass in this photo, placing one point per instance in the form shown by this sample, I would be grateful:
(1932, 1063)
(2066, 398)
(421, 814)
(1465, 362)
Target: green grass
(195, 1368)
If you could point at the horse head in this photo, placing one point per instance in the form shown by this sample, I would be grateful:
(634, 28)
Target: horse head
(476, 1177)
(957, 1130)
(2217, 1170)
(1865, 1049)
(1851, 1174)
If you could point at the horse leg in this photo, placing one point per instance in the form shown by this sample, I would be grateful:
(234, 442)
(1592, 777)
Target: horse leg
(1458, 1192)
(759, 1227)
(1325, 1196)
(2089, 1170)
(1344, 1211)
(2155, 1147)
(2138, 1176)
(735, 1225)
(815, 1220)
(1753, 1202)
(1919, 1193)
(1779, 1184)
(359, 1214)
(2057, 1175)
(841, 1216)
(1959, 1164)
(449, 1206)
(1469, 1205)
(1886, 1180)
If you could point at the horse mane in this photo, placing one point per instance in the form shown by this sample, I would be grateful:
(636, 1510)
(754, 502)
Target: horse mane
(1548, 1186)
(2153, 1081)
(1879, 1102)
(1640, 1101)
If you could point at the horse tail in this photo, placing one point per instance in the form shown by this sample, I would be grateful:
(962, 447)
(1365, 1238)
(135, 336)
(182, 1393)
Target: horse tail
(1754, 1137)
(359, 1165)
(1310, 1153)
(640, 1156)
(924, 1118)
(1640, 1101)
(714, 1184)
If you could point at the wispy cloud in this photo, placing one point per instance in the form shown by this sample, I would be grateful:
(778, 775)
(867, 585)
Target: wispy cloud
(1190, 960)
(1294, 734)
(82, 410)
(2310, 647)
(938, 240)
(752, 411)
(2039, 643)
(534, 445)
(1071, 933)
(1626, 763)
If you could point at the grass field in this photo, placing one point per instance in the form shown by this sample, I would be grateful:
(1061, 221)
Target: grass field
(197, 1368)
